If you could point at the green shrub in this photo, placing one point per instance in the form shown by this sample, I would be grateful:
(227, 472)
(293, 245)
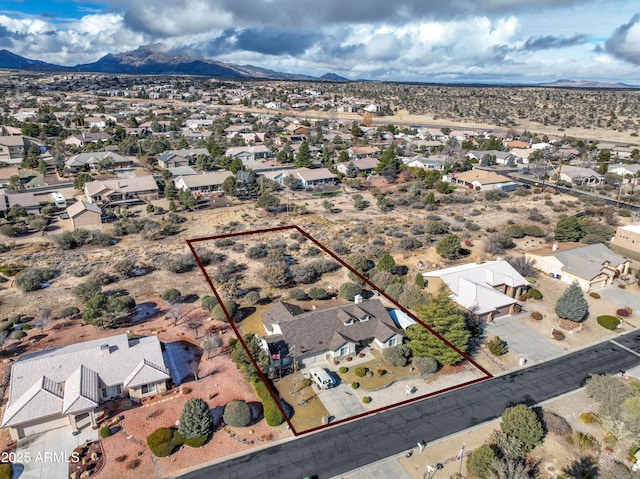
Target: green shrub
(366, 399)
(208, 303)
(425, 365)
(397, 355)
(5, 325)
(272, 414)
(534, 293)
(594, 295)
(66, 312)
(237, 414)
(355, 385)
(171, 295)
(160, 442)
(18, 335)
(105, 432)
(343, 369)
(11, 269)
(194, 442)
(497, 346)
(33, 279)
(608, 322)
(298, 294)
(360, 372)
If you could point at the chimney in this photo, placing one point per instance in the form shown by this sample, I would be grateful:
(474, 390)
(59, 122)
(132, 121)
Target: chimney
(554, 247)
(357, 299)
(104, 349)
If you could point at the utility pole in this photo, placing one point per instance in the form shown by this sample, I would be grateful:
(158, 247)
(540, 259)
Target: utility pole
(558, 177)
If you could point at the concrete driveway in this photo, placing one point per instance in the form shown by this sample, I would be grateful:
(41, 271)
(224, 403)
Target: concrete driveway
(521, 340)
(622, 297)
(45, 455)
(340, 402)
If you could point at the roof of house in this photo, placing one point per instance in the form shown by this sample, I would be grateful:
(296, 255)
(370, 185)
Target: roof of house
(205, 179)
(7, 172)
(364, 150)
(583, 261)
(83, 159)
(68, 379)
(483, 177)
(82, 206)
(12, 140)
(310, 174)
(366, 163)
(128, 185)
(314, 332)
(633, 228)
(473, 284)
(574, 172)
(237, 150)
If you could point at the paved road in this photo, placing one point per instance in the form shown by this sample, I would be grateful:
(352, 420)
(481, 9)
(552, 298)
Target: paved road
(345, 447)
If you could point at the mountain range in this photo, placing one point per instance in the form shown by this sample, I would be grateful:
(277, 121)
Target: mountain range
(148, 60)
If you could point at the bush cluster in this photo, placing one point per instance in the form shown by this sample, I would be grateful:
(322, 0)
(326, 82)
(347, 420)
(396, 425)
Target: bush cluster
(161, 442)
(33, 279)
(534, 293)
(66, 312)
(397, 355)
(79, 237)
(425, 365)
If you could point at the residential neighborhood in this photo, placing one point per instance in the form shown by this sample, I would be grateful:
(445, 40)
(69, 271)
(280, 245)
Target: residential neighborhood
(192, 270)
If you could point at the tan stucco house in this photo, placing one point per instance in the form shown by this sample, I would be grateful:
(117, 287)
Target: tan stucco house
(628, 237)
(65, 386)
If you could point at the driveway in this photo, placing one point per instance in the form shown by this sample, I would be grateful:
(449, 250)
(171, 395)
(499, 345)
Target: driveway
(522, 340)
(45, 455)
(340, 402)
(621, 297)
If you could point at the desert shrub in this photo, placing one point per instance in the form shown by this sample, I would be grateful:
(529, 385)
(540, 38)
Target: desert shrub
(409, 244)
(66, 312)
(252, 297)
(587, 441)
(33, 279)
(425, 365)
(608, 322)
(349, 291)
(18, 335)
(298, 294)
(224, 242)
(134, 464)
(177, 264)
(217, 312)
(588, 418)
(355, 385)
(594, 295)
(11, 269)
(105, 432)
(534, 293)
(325, 265)
(366, 399)
(317, 293)
(555, 423)
(537, 315)
(497, 346)
(397, 355)
(360, 372)
(194, 442)
(5, 326)
(237, 414)
(306, 382)
(343, 369)
(304, 273)
(208, 303)
(160, 442)
(557, 334)
(622, 312)
(208, 257)
(171, 295)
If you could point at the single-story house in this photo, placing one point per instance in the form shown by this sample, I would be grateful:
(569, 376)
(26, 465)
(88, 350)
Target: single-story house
(249, 153)
(65, 386)
(628, 237)
(591, 266)
(327, 334)
(477, 179)
(6, 174)
(488, 290)
(27, 200)
(437, 163)
(89, 161)
(359, 152)
(296, 129)
(184, 157)
(493, 157)
(624, 170)
(204, 183)
(311, 177)
(365, 166)
(577, 175)
(128, 190)
(83, 214)
(85, 138)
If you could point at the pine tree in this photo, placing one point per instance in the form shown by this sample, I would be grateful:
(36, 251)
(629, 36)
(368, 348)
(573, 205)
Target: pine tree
(196, 419)
(303, 157)
(442, 315)
(572, 305)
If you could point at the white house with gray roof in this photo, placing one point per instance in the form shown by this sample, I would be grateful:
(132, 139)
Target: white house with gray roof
(65, 386)
(488, 290)
(591, 266)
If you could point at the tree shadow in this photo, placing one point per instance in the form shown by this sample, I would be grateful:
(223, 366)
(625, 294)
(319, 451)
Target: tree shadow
(583, 468)
(190, 298)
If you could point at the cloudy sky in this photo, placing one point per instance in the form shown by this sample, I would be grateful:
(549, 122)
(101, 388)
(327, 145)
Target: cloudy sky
(492, 41)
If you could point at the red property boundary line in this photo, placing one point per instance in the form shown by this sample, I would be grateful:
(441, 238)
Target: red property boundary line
(275, 397)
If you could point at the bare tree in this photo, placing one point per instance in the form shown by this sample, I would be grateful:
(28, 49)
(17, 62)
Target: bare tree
(526, 267)
(176, 312)
(195, 325)
(210, 343)
(43, 319)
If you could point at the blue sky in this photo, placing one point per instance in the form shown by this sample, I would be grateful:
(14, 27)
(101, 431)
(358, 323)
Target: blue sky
(494, 41)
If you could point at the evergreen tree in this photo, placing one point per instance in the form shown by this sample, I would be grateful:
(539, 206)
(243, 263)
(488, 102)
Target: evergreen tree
(449, 247)
(572, 305)
(386, 263)
(442, 315)
(419, 281)
(523, 424)
(195, 420)
(303, 157)
(568, 228)
(352, 170)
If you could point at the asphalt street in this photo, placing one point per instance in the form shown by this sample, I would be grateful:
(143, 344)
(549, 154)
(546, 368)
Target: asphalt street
(345, 447)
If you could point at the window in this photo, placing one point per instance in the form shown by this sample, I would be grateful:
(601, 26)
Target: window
(111, 391)
(148, 388)
(344, 350)
(392, 341)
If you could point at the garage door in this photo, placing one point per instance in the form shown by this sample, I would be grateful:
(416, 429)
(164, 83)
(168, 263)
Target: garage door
(601, 283)
(37, 428)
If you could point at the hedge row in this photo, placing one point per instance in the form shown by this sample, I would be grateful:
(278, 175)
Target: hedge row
(272, 414)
